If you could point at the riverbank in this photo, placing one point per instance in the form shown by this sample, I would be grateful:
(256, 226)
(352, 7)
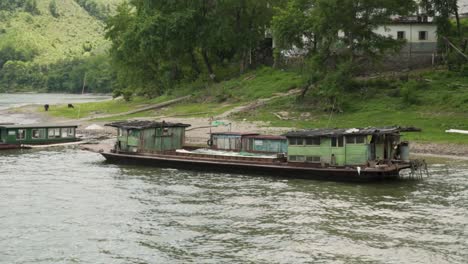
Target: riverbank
(198, 133)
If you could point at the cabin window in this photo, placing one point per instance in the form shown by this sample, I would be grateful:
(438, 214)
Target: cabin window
(38, 133)
(70, 132)
(297, 158)
(293, 141)
(337, 142)
(313, 159)
(401, 35)
(356, 140)
(165, 131)
(313, 141)
(21, 134)
(360, 140)
(422, 35)
(54, 132)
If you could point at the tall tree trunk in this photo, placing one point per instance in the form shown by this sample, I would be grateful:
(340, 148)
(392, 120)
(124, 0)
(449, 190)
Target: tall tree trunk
(457, 18)
(208, 65)
(195, 65)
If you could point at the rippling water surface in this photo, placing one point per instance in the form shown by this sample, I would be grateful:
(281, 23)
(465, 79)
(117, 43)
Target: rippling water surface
(68, 206)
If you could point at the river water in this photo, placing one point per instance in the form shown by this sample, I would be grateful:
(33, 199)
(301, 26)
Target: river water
(64, 205)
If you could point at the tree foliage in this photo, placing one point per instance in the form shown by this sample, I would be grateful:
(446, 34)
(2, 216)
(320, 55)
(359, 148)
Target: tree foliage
(27, 5)
(95, 9)
(443, 10)
(157, 44)
(53, 8)
(339, 36)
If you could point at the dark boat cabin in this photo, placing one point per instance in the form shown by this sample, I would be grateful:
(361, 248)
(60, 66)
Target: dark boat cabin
(229, 141)
(149, 136)
(265, 144)
(342, 147)
(37, 134)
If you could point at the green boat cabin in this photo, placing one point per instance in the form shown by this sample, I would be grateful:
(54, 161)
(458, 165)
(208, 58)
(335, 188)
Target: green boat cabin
(228, 141)
(341, 147)
(149, 136)
(265, 144)
(37, 134)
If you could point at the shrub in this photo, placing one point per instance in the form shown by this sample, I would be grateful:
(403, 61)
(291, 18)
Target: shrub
(409, 92)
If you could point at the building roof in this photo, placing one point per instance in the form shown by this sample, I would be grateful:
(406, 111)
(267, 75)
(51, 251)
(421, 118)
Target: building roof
(421, 19)
(240, 134)
(39, 125)
(333, 132)
(141, 124)
(267, 137)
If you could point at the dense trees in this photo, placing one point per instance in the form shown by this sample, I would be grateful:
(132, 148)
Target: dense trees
(160, 43)
(95, 9)
(94, 73)
(443, 10)
(338, 36)
(156, 45)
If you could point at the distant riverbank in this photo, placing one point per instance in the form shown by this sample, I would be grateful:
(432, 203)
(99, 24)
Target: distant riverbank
(199, 133)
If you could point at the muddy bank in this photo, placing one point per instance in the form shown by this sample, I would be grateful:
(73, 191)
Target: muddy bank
(440, 149)
(198, 133)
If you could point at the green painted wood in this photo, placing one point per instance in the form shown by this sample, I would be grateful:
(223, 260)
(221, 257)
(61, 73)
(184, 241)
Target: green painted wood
(152, 140)
(36, 136)
(356, 154)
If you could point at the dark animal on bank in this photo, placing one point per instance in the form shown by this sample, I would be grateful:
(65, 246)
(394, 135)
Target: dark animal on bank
(70, 106)
(46, 107)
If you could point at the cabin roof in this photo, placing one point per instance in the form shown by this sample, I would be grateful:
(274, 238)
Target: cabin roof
(333, 132)
(38, 125)
(241, 134)
(142, 124)
(267, 137)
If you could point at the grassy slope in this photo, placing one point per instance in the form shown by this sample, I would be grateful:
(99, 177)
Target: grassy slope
(61, 37)
(215, 99)
(442, 103)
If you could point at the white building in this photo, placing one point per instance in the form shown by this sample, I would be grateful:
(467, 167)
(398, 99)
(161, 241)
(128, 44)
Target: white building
(420, 33)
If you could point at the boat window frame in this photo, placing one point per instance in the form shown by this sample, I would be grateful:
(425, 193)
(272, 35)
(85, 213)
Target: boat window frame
(313, 159)
(70, 132)
(337, 142)
(41, 133)
(54, 134)
(356, 140)
(297, 158)
(313, 141)
(21, 132)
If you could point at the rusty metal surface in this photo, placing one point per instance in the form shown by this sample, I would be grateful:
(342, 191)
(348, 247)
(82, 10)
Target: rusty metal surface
(141, 124)
(334, 132)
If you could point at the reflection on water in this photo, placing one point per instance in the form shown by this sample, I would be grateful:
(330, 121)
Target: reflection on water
(66, 205)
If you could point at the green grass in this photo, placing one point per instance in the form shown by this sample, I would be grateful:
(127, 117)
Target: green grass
(440, 104)
(57, 38)
(104, 108)
(262, 83)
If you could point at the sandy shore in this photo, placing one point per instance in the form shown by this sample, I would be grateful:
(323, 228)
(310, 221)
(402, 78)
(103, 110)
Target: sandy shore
(198, 133)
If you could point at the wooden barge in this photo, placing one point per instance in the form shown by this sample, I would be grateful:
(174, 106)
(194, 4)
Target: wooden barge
(23, 136)
(370, 154)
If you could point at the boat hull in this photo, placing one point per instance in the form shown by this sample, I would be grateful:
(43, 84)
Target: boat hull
(9, 146)
(273, 169)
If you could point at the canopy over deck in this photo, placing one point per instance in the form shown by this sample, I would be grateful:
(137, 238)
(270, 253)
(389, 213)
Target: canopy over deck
(240, 134)
(142, 124)
(39, 125)
(336, 132)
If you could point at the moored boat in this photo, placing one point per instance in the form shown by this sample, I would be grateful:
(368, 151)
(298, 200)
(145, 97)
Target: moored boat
(368, 154)
(14, 136)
